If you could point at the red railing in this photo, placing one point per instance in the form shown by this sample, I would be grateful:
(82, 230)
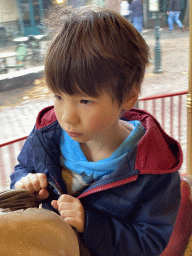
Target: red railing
(171, 112)
(8, 159)
(169, 109)
(13, 141)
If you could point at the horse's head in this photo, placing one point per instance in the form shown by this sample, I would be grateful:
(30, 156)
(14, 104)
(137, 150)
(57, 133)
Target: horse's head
(34, 231)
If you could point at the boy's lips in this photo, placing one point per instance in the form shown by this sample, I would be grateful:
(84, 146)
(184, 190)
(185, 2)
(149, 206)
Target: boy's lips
(73, 134)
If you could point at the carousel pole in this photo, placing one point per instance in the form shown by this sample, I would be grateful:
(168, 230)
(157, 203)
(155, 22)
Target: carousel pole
(189, 101)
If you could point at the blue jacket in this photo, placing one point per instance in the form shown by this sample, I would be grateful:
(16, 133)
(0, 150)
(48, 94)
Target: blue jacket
(136, 8)
(174, 6)
(129, 212)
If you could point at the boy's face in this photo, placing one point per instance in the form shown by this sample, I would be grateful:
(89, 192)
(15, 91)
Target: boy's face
(89, 119)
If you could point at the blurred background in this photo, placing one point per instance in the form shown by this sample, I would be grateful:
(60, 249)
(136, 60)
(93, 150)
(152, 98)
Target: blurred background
(25, 16)
(23, 93)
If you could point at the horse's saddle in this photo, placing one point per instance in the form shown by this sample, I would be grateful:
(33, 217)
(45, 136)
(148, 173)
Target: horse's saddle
(27, 230)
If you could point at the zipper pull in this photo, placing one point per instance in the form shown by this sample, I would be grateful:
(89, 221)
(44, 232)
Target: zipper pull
(55, 187)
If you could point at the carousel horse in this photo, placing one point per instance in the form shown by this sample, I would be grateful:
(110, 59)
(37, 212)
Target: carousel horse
(26, 229)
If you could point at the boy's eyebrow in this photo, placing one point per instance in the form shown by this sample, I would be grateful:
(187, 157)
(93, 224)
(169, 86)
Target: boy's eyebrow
(85, 95)
(88, 96)
(79, 94)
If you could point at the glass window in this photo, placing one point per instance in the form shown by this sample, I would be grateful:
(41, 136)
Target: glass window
(36, 11)
(25, 10)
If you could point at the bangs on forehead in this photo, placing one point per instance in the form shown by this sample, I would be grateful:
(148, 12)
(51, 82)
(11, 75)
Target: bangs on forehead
(77, 75)
(82, 84)
(73, 88)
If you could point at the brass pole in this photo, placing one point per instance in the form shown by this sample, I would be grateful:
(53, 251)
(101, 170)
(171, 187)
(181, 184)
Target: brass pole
(189, 100)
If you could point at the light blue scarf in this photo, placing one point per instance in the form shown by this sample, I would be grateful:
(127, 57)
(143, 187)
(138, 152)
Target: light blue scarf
(73, 158)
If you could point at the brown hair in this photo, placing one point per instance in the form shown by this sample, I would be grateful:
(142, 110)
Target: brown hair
(95, 49)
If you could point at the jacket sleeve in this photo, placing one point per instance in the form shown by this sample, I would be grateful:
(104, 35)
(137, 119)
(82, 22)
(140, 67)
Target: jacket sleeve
(25, 160)
(140, 224)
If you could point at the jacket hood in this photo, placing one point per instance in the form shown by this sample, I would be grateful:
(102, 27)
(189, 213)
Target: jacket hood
(157, 152)
(45, 117)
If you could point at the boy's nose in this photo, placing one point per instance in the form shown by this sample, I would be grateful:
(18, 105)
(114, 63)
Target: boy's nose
(70, 117)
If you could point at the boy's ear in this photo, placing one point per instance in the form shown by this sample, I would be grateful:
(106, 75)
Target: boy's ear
(131, 100)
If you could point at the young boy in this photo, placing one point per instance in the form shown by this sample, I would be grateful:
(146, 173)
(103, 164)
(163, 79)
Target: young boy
(115, 166)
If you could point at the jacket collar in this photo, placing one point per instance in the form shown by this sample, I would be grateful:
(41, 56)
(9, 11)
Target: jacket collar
(157, 152)
(45, 117)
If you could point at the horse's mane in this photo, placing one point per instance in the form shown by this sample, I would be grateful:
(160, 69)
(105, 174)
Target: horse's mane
(16, 199)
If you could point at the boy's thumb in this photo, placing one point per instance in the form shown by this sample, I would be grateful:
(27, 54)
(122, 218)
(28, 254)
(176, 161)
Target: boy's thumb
(43, 194)
(54, 204)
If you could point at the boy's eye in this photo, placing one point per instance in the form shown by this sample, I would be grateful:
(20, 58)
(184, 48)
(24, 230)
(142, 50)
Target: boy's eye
(58, 97)
(86, 102)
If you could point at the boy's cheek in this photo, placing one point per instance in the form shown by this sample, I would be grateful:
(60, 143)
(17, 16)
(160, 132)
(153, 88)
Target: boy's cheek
(98, 123)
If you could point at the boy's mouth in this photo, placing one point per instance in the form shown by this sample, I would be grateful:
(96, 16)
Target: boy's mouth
(74, 134)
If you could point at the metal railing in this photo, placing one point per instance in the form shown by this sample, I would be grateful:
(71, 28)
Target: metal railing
(169, 109)
(8, 159)
(171, 112)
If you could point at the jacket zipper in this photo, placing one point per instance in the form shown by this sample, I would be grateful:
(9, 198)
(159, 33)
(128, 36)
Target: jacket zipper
(108, 186)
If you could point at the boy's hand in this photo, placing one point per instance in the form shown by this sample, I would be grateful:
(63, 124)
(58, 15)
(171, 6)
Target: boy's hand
(36, 183)
(71, 210)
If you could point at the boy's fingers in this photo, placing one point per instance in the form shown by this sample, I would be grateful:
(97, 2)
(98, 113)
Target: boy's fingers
(69, 213)
(43, 194)
(66, 198)
(54, 204)
(65, 206)
(27, 184)
(42, 179)
(20, 185)
(71, 221)
(34, 181)
(38, 180)
(75, 223)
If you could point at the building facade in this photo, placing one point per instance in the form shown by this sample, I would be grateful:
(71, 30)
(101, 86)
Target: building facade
(24, 17)
(9, 17)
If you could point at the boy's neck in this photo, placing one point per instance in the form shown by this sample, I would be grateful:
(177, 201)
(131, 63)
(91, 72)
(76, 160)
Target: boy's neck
(101, 148)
